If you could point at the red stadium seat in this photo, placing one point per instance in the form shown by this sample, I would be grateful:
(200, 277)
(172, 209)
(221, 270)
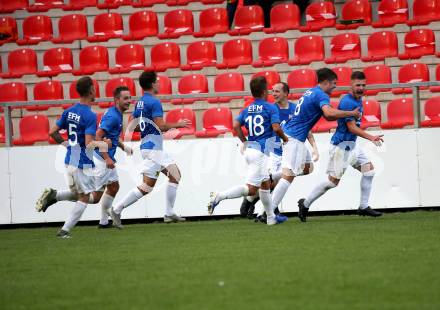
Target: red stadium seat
(418, 43)
(344, 79)
(14, 91)
(381, 45)
(74, 5)
(10, 25)
(129, 57)
(56, 60)
(142, 24)
(2, 130)
(106, 26)
(147, 3)
(412, 73)
(216, 121)
(272, 51)
(45, 5)
(9, 6)
(283, 17)
(36, 28)
(177, 115)
(272, 77)
(71, 27)
(199, 55)
(227, 82)
(21, 62)
(371, 116)
(33, 128)
(301, 78)
(73, 94)
(437, 78)
(377, 74)
(355, 13)
(206, 2)
(236, 52)
(399, 113)
(177, 23)
(343, 47)
(179, 2)
(324, 125)
(191, 84)
(391, 12)
(113, 4)
(308, 49)
(46, 90)
(165, 86)
(92, 59)
(425, 12)
(432, 113)
(247, 19)
(212, 21)
(112, 84)
(319, 15)
(165, 56)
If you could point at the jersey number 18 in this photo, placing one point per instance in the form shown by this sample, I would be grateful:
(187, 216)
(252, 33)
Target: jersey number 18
(255, 125)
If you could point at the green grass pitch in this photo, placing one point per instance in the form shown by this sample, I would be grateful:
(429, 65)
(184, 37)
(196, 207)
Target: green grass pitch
(332, 262)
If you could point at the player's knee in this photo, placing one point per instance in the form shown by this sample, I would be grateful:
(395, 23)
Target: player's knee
(145, 188)
(112, 189)
(369, 173)
(173, 174)
(308, 168)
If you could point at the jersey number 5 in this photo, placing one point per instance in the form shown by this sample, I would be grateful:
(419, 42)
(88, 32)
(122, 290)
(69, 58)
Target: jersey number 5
(73, 136)
(255, 125)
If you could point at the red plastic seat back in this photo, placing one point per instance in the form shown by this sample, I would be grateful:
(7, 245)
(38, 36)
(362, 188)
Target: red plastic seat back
(378, 74)
(346, 45)
(419, 42)
(229, 82)
(426, 10)
(344, 75)
(112, 84)
(9, 24)
(130, 55)
(213, 20)
(302, 78)
(383, 43)
(48, 90)
(432, 108)
(237, 51)
(34, 128)
(285, 16)
(143, 24)
(72, 27)
(414, 72)
(94, 58)
(400, 110)
(165, 55)
(272, 77)
(22, 61)
(59, 58)
(37, 27)
(249, 17)
(218, 118)
(357, 9)
(275, 48)
(177, 115)
(393, 11)
(178, 21)
(9, 6)
(371, 108)
(320, 15)
(193, 84)
(165, 85)
(108, 24)
(310, 47)
(13, 91)
(201, 52)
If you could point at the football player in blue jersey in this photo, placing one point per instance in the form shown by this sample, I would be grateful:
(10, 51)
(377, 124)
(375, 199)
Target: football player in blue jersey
(344, 152)
(148, 118)
(314, 103)
(80, 123)
(262, 120)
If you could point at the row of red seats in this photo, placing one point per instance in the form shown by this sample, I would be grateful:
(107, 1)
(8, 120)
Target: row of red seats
(227, 82)
(218, 121)
(214, 20)
(236, 52)
(9, 6)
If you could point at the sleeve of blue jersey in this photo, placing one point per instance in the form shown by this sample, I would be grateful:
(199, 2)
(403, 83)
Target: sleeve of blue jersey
(156, 109)
(90, 124)
(324, 99)
(61, 123)
(106, 122)
(274, 114)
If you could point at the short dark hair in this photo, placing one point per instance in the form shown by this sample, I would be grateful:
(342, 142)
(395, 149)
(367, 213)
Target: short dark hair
(258, 86)
(326, 74)
(357, 75)
(84, 86)
(118, 90)
(286, 88)
(147, 78)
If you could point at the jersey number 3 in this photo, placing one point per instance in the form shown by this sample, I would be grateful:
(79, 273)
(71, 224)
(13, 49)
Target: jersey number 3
(255, 125)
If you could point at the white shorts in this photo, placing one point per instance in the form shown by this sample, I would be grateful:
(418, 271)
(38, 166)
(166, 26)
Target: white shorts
(104, 175)
(80, 181)
(295, 156)
(340, 159)
(257, 170)
(274, 163)
(154, 162)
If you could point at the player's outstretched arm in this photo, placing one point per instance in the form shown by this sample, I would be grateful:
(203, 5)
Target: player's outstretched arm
(128, 150)
(351, 125)
(163, 126)
(332, 114)
(315, 152)
(100, 134)
(277, 129)
(55, 134)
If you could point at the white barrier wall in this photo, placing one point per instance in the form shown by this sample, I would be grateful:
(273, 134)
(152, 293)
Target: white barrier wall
(406, 176)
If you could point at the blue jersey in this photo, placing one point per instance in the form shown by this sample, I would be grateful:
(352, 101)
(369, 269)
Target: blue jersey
(79, 121)
(258, 119)
(307, 113)
(342, 134)
(285, 116)
(148, 108)
(111, 123)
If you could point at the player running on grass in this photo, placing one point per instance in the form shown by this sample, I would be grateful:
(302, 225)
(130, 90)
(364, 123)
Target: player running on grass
(80, 123)
(261, 119)
(314, 103)
(345, 152)
(106, 176)
(148, 117)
